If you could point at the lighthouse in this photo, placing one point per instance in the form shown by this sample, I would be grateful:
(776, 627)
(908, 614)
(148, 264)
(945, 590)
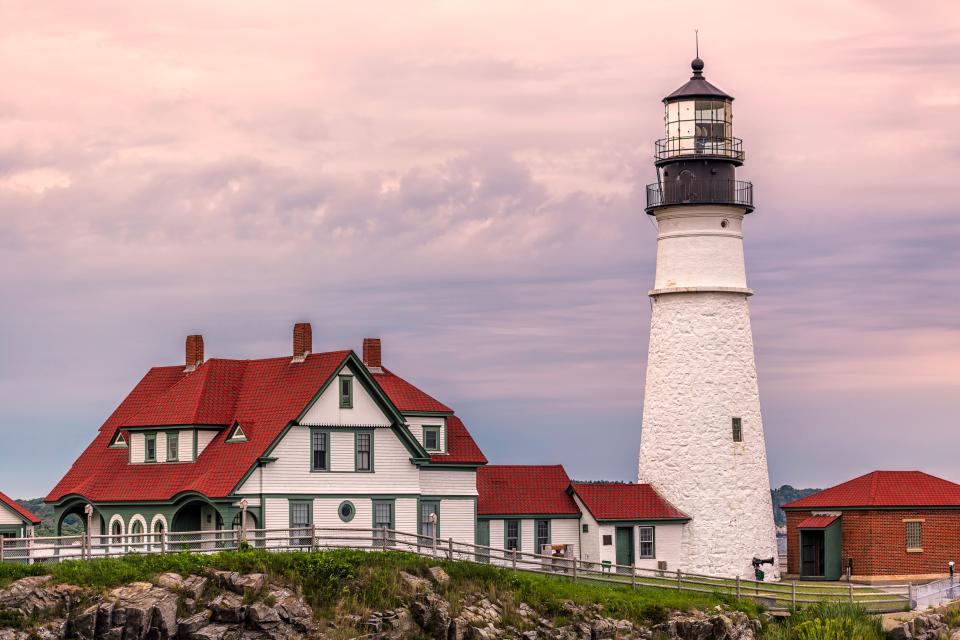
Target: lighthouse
(702, 443)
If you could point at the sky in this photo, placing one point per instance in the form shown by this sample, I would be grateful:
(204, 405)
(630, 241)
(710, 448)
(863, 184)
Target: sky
(465, 180)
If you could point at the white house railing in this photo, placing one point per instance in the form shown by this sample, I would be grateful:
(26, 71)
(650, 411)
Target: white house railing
(772, 594)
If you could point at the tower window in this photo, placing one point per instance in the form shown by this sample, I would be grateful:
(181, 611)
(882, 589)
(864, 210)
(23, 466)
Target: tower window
(737, 429)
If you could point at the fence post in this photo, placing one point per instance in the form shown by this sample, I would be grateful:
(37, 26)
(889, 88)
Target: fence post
(738, 587)
(449, 548)
(313, 537)
(633, 577)
(163, 542)
(911, 596)
(851, 591)
(3, 542)
(574, 569)
(679, 580)
(793, 593)
(383, 532)
(514, 552)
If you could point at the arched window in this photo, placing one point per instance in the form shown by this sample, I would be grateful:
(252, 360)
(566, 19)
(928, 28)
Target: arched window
(117, 530)
(136, 530)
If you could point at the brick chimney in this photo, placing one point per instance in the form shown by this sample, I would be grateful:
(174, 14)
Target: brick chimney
(194, 357)
(371, 354)
(302, 341)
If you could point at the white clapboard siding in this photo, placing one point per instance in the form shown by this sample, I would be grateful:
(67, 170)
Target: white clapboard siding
(326, 410)
(496, 534)
(136, 448)
(277, 514)
(406, 515)
(326, 513)
(186, 445)
(528, 543)
(666, 546)
(393, 471)
(161, 447)
(204, 437)
(434, 482)
(565, 531)
(590, 541)
(8, 516)
(457, 518)
(416, 424)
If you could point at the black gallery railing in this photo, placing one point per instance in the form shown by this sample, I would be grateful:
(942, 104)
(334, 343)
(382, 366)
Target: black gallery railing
(728, 192)
(671, 148)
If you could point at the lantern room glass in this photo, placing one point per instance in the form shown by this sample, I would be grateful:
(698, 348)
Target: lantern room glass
(698, 127)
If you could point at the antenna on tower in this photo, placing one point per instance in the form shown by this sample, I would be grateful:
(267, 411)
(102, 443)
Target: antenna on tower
(696, 40)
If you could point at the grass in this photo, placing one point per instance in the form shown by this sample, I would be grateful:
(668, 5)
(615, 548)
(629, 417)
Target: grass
(828, 621)
(353, 581)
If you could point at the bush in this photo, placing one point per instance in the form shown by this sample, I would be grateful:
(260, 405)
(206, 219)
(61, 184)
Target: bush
(828, 621)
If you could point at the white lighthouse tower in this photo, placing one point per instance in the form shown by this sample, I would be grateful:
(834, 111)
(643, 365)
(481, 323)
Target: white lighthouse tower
(702, 442)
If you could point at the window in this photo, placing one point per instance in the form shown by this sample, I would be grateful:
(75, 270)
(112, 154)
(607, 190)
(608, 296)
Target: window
(346, 511)
(150, 447)
(429, 519)
(737, 429)
(173, 446)
(607, 540)
(914, 535)
(136, 530)
(511, 534)
(542, 527)
(585, 528)
(237, 434)
(647, 549)
(364, 456)
(301, 524)
(320, 450)
(431, 438)
(118, 441)
(346, 392)
(383, 519)
(117, 530)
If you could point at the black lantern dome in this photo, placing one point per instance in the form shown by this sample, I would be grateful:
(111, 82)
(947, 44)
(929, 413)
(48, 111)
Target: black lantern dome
(697, 160)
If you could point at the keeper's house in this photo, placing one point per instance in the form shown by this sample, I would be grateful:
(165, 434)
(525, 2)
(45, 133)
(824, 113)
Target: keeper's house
(537, 509)
(325, 439)
(885, 525)
(15, 521)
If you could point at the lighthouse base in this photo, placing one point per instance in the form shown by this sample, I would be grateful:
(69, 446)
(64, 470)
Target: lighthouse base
(701, 376)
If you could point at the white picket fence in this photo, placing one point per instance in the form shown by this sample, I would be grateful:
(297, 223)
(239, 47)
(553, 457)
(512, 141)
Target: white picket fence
(776, 595)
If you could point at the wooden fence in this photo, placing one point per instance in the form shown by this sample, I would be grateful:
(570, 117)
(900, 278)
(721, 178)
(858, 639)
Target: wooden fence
(774, 595)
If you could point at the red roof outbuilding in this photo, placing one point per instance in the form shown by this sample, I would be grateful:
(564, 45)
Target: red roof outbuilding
(15, 506)
(619, 501)
(885, 489)
(518, 490)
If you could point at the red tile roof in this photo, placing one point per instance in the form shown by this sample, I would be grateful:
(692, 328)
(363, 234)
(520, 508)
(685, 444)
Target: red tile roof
(885, 489)
(407, 397)
(264, 395)
(461, 448)
(613, 501)
(817, 522)
(524, 490)
(15, 506)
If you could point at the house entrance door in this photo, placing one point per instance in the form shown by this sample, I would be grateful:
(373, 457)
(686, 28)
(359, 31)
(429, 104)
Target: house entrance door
(811, 554)
(624, 547)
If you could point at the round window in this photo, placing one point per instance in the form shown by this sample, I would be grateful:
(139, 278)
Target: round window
(724, 223)
(347, 511)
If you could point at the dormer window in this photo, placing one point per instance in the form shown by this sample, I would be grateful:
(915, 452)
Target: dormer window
(173, 446)
(237, 434)
(118, 442)
(150, 447)
(431, 438)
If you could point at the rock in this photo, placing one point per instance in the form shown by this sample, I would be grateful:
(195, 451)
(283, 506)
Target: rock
(194, 587)
(263, 617)
(250, 583)
(900, 632)
(432, 614)
(697, 626)
(217, 632)
(955, 636)
(412, 585)
(525, 611)
(141, 610)
(33, 597)
(193, 624)
(439, 576)
(171, 581)
(229, 608)
(13, 634)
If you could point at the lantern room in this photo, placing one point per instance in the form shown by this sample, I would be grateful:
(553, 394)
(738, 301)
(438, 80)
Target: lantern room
(699, 122)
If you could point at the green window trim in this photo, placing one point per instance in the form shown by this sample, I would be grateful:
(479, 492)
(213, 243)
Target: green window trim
(435, 431)
(301, 533)
(118, 442)
(652, 542)
(345, 388)
(541, 541)
(319, 436)
(148, 440)
(421, 525)
(379, 523)
(346, 510)
(173, 446)
(363, 439)
(737, 425)
(237, 434)
(507, 536)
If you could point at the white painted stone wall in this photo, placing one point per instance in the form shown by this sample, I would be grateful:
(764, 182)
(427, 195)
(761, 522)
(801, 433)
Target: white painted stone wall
(701, 374)
(695, 249)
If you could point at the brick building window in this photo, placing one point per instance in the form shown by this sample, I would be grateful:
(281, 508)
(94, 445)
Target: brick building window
(914, 530)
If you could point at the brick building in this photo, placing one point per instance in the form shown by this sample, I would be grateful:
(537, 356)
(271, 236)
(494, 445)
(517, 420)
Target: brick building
(885, 525)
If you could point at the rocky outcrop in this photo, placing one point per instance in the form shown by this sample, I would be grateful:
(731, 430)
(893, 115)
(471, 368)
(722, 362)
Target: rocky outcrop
(930, 626)
(225, 605)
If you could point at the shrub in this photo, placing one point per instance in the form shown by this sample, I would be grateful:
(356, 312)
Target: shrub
(828, 621)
